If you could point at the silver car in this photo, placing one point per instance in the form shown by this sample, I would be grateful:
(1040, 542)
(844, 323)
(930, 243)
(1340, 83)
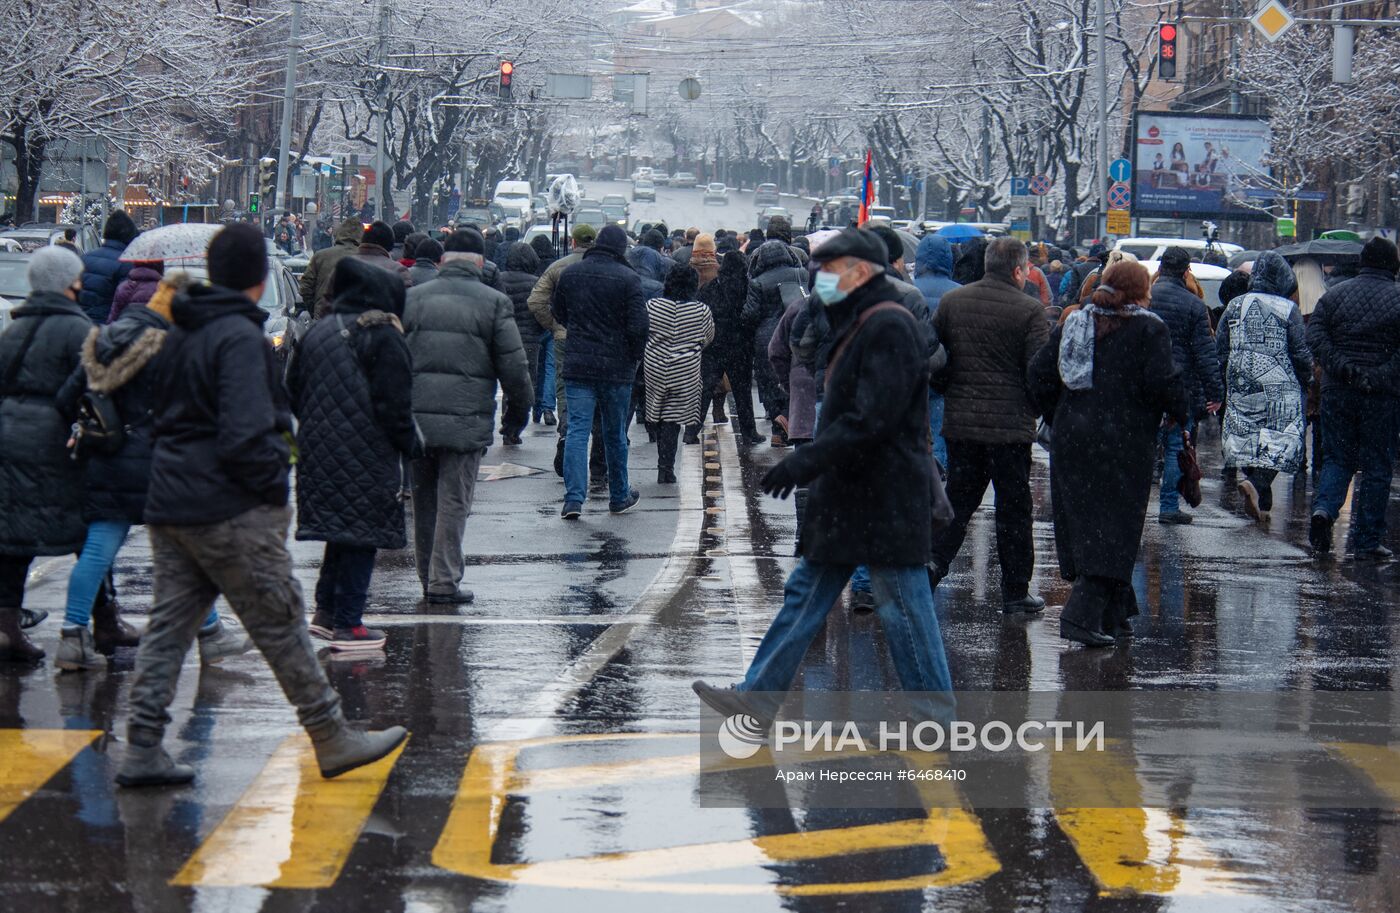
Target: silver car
(716, 193)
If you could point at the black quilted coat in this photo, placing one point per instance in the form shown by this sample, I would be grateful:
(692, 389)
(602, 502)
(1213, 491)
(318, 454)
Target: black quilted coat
(120, 360)
(41, 489)
(351, 385)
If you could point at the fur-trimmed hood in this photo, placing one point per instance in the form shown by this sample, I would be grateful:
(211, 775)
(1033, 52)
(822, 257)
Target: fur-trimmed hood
(114, 354)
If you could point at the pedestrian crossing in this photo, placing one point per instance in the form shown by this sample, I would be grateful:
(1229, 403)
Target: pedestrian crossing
(291, 829)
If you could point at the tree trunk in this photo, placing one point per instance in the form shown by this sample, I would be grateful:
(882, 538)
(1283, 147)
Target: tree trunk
(29, 167)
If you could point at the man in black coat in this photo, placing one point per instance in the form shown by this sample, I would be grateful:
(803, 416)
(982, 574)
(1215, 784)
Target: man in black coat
(103, 268)
(778, 281)
(599, 301)
(1193, 351)
(217, 515)
(1354, 333)
(871, 485)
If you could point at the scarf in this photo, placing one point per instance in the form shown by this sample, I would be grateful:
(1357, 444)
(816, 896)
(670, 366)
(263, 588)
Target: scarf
(1077, 343)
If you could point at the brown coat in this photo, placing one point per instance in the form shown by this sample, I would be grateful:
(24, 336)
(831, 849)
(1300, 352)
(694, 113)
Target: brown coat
(991, 330)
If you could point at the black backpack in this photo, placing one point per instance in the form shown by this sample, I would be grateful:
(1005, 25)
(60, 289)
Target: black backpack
(99, 429)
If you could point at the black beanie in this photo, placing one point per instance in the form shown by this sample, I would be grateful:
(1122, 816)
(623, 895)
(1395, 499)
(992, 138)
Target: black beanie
(1380, 254)
(119, 227)
(612, 238)
(428, 250)
(379, 233)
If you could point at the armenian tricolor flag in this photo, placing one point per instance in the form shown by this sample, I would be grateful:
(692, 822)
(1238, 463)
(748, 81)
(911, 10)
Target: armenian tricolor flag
(867, 190)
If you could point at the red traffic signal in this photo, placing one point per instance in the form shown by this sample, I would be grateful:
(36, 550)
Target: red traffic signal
(507, 70)
(1166, 50)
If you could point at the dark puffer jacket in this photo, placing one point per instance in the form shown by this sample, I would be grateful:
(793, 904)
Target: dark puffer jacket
(991, 330)
(599, 300)
(351, 390)
(137, 289)
(41, 489)
(463, 338)
(221, 414)
(518, 280)
(121, 360)
(1354, 333)
(1193, 346)
(775, 266)
(103, 271)
(870, 470)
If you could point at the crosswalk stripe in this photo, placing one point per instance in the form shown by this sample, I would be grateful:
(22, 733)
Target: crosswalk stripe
(1380, 764)
(31, 757)
(291, 828)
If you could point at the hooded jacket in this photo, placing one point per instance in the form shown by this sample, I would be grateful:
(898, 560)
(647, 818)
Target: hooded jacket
(1193, 346)
(316, 281)
(775, 266)
(122, 361)
(221, 414)
(650, 263)
(463, 339)
(351, 390)
(1354, 333)
(599, 301)
(517, 281)
(41, 489)
(138, 287)
(933, 269)
(103, 271)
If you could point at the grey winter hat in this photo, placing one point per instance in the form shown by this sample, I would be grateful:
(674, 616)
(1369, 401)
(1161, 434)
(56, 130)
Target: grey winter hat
(54, 269)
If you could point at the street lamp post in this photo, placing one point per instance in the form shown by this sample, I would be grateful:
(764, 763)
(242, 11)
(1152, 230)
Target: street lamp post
(289, 92)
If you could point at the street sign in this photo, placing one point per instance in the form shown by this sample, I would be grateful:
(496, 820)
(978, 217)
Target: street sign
(690, 88)
(834, 171)
(1119, 222)
(1120, 196)
(1272, 20)
(1121, 170)
(1021, 192)
(1286, 228)
(1040, 185)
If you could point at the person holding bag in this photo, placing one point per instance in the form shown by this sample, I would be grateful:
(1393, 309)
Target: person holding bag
(871, 479)
(1103, 381)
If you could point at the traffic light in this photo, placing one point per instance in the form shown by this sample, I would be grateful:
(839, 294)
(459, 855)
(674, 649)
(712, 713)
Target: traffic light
(267, 177)
(507, 71)
(254, 203)
(1166, 50)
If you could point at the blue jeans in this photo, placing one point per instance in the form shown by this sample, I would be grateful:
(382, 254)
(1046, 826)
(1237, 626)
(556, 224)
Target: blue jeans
(613, 401)
(544, 380)
(343, 585)
(905, 604)
(935, 427)
(1170, 439)
(1358, 434)
(104, 540)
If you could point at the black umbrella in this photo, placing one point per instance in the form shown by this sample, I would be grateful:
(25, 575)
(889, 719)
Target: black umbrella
(1243, 257)
(1321, 248)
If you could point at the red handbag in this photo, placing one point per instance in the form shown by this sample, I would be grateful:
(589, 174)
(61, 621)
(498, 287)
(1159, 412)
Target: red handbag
(1189, 485)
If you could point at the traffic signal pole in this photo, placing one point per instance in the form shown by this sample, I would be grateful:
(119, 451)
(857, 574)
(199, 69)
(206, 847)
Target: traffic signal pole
(289, 92)
(1102, 18)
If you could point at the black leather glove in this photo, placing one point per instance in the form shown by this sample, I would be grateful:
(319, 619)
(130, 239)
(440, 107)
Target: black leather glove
(780, 480)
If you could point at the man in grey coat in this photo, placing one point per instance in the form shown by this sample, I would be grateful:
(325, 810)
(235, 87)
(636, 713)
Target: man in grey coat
(463, 339)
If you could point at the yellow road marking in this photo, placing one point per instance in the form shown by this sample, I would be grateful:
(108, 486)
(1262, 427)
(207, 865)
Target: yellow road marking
(491, 776)
(31, 756)
(291, 828)
(1380, 764)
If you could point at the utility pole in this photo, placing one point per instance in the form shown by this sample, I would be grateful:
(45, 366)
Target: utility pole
(987, 159)
(382, 100)
(1103, 118)
(1236, 103)
(289, 94)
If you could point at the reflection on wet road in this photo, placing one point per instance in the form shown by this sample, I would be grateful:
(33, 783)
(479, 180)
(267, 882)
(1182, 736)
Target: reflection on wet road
(553, 764)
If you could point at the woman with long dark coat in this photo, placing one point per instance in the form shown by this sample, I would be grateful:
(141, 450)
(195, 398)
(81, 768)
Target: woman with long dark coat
(1104, 380)
(729, 355)
(351, 384)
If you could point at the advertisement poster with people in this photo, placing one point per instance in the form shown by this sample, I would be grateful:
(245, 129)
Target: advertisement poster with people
(1200, 165)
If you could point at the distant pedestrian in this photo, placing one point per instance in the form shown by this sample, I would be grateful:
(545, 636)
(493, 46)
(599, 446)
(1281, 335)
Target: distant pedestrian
(1267, 365)
(730, 355)
(217, 516)
(518, 280)
(778, 280)
(464, 342)
(351, 391)
(599, 301)
(1354, 334)
(374, 249)
(991, 330)
(933, 275)
(402, 230)
(315, 283)
(137, 288)
(103, 268)
(425, 262)
(1103, 381)
(679, 328)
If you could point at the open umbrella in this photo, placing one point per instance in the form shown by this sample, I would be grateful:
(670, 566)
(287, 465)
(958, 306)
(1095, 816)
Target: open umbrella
(960, 231)
(186, 241)
(1243, 257)
(818, 238)
(1321, 249)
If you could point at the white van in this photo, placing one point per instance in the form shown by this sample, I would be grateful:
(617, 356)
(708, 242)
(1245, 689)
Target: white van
(514, 197)
(1153, 248)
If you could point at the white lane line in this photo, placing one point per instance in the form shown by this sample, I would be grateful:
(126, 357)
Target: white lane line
(750, 600)
(535, 718)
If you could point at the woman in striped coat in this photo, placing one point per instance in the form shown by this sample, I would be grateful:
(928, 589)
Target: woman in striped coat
(681, 327)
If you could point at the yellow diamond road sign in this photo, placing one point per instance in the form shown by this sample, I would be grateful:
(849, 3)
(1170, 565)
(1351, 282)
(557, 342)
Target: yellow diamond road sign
(1272, 20)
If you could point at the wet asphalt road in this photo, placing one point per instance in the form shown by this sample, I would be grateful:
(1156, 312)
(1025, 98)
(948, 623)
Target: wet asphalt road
(536, 778)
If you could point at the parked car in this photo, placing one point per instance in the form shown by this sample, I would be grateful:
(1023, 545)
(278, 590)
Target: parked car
(716, 193)
(14, 283)
(644, 190)
(481, 213)
(765, 195)
(767, 213)
(539, 208)
(684, 179)
(1153, 248)
(33, 235)
(660, 178)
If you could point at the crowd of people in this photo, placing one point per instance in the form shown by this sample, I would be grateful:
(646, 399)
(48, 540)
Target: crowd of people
(129, 395)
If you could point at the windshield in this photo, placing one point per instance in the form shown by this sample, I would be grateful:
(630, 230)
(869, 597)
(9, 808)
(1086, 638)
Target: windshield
(616, 213)
(716, 186)
(513, 195)
(591, 217)
(14, 278)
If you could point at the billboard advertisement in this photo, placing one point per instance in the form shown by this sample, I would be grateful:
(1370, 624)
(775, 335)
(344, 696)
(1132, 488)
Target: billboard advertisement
(1200, 166)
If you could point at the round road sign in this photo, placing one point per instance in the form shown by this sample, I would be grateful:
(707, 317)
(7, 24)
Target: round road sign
(1040, 185)
(690, 88)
